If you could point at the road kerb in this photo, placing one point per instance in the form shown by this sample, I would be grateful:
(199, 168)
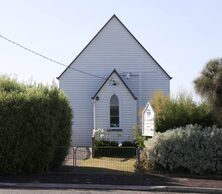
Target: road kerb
(111, 187)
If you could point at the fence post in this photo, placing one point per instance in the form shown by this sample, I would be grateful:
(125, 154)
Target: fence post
(93, 147)
(73, 156)
(138, 156)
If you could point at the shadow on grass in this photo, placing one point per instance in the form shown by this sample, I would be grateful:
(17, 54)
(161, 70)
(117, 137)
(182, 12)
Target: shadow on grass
(89, 170)
(98, 170)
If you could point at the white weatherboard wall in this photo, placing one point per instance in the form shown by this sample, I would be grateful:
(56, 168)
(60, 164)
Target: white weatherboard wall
(127, 110)
(113, 47)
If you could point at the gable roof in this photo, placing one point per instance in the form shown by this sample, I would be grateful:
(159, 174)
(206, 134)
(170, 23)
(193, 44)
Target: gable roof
(148, 104)
(114, 71)
(114, 16)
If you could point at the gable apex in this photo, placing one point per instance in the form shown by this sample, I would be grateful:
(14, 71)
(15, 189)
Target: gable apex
(114, 16)
(121, 79)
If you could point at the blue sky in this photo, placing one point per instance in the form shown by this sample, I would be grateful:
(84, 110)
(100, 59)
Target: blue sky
(181, 35)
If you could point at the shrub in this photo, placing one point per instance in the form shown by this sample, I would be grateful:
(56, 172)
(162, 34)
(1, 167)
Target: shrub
(8, 84)
(193, 148)
(100, 134)
(179, 111)
(119, 152)
(103, 148)
(129, 144)
(139, 139)
(104, 143)
(34, 120)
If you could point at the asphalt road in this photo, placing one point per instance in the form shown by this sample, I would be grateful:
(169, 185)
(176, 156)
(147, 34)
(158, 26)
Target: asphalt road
(71, 191)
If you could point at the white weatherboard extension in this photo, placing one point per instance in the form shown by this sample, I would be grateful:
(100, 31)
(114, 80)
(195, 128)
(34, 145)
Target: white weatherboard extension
(131, 75)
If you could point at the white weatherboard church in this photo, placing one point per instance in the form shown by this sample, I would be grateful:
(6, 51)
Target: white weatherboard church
(126, 76)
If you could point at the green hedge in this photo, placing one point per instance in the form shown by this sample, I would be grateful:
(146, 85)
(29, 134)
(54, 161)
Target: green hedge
(104, 143)
(34, 121)
(118, 152)
(191, 149)
(179, 111)
(103, 148)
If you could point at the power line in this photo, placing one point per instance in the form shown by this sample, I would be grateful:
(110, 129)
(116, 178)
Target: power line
(47, 58)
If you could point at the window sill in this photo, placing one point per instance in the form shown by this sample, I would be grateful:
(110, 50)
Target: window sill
(114, 129)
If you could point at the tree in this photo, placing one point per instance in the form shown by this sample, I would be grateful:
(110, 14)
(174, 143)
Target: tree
(209, 85)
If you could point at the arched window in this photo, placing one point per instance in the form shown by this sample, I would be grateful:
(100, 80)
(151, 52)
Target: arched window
(114, 111)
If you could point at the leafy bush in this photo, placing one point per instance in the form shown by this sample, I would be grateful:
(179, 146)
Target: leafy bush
(119, 152)
(139, 139)
(193, 148)
(103, 143)
(103, 148)
(129, 144)
(100, 134)
(8, 84)
(179, 111)
(34, 120)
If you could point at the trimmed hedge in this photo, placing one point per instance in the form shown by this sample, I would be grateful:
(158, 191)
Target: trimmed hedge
(104, 143)
(193, 148)
(118, 152)
(105, 148)
(34, 121)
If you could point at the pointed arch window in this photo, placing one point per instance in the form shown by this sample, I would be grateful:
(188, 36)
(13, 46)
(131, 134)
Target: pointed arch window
(114, 111)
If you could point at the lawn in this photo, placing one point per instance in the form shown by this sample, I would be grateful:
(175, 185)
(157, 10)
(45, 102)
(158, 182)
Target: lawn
(109, 163)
